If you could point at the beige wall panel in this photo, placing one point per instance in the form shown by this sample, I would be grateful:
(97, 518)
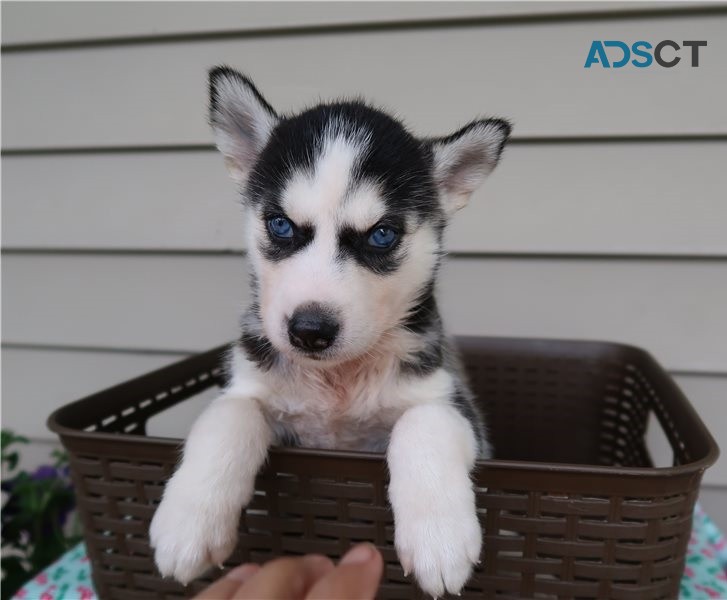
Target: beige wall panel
(39, 22)
(37, 382)
(676, 309)
(152, 94)
(570, 198)
(714, 501)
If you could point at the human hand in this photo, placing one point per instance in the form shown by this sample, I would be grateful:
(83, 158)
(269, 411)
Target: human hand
(310, 577)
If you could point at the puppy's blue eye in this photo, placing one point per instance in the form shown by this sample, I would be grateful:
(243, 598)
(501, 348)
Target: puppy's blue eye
(280, 227)
(383, 237)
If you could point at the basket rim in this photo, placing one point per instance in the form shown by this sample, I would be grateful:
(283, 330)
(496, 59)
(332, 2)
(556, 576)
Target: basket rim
(486, 464)
(695, 467)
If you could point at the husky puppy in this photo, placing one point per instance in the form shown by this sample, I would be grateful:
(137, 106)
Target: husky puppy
(342, 346)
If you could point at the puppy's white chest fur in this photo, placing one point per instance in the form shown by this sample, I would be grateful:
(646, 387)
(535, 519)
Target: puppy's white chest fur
(351, 407)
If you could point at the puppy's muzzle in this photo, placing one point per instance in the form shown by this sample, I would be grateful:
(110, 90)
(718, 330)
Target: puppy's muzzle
(312, 328)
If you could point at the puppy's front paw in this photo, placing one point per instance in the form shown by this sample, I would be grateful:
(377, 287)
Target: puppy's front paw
(439, 541)
(190, 533)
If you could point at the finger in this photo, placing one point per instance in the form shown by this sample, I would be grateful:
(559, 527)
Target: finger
(357, 576)
(288, 578)
(226, 586)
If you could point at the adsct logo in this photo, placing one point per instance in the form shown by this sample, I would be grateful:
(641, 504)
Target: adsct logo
(665, 53)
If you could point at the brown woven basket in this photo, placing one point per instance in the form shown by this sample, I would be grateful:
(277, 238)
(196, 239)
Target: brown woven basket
(571, 506)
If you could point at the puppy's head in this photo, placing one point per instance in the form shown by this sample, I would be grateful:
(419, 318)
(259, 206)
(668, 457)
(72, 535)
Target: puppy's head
(345, 213)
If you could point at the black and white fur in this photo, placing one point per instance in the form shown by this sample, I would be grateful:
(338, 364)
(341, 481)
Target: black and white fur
(384, 378)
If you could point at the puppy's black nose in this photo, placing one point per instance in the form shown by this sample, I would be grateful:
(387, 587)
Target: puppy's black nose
(312, 328)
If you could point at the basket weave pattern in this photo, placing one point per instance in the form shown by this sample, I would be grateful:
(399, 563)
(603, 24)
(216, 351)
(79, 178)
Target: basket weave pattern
(571, 507)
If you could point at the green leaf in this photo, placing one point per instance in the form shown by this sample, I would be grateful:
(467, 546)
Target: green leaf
(61, 457)
(7, 438)
(12, 460)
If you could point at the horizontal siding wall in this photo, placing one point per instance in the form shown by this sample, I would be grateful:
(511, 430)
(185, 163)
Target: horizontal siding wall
(154, 94)
(51, 23)
(616, 197)
(122, 235)
(188, 302)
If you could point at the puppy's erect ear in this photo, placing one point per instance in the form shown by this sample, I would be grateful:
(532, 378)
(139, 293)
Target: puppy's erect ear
(464, 159)
(242, 120)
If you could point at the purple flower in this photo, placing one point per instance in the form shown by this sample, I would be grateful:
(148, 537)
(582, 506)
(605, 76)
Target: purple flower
(45, 472)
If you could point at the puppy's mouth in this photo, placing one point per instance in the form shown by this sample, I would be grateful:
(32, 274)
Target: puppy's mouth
(332, 356)
(329, 355)
(316, 356)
